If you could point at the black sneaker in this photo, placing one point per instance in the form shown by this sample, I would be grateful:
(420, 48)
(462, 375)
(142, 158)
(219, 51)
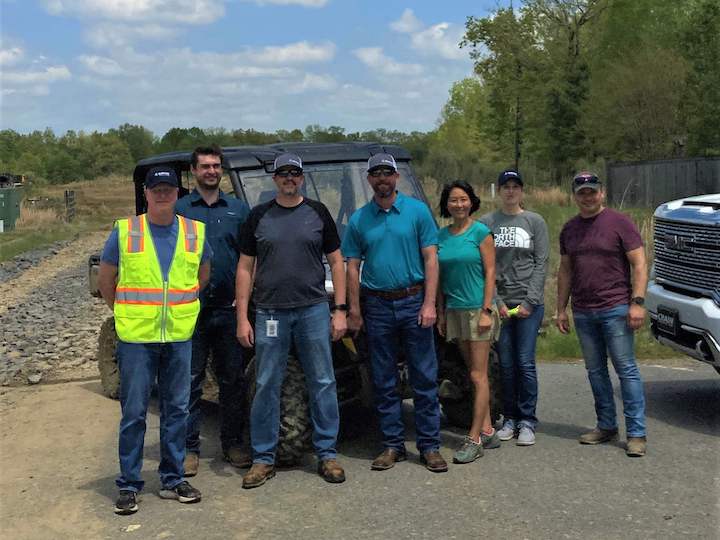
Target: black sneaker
(183, 492)
(126, 503)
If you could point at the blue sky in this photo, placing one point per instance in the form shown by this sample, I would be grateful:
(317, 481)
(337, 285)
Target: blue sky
(262, 64)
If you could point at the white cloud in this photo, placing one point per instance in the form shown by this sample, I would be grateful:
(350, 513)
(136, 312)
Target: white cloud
(48, 75)
(323, 83)
(165, 11)
(374, 58)
(112, 35)
(407, 23)
(295, 53)
(11, 56)
(442, 40)
(303, 3)
(100, 65)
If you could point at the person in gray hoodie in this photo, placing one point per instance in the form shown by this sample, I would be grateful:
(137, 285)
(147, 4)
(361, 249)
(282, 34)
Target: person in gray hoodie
(522, 247)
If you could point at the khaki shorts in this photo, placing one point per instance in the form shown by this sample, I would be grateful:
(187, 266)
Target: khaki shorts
(462, 325)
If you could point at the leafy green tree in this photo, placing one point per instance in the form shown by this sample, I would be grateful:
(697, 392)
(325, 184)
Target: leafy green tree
(701, 46)
(139, 140)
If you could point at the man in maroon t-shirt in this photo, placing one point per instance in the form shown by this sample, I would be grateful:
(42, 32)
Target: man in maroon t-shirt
(603, 269)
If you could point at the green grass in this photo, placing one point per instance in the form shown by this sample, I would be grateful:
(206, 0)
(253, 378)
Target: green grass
(554, 346)
(16, 242)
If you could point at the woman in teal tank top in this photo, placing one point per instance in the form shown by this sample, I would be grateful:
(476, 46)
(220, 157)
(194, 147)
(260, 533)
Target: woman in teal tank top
(466, 314)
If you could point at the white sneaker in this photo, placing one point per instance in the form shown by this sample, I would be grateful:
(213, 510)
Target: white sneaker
(507, 432)
(526, 437)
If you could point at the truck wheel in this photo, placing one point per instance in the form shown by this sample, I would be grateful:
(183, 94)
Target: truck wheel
(107, 363)
(457, 392)
(295, 424)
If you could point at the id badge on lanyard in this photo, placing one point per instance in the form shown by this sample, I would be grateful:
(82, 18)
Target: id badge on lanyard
(271, 328)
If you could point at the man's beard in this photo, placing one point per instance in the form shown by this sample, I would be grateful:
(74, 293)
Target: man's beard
(384, 191)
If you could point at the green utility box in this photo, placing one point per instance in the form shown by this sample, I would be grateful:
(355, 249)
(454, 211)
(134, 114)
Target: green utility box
(10, 199)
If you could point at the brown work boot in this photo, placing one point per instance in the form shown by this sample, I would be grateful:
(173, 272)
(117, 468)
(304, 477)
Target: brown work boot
(258, 474)
(331, 471)
(237, 457)
(598, 436)
(191, 463)
(434, 461)
(387, 459)
(636, 446)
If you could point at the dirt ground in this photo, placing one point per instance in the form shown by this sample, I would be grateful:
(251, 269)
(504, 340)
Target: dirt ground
(59, 450)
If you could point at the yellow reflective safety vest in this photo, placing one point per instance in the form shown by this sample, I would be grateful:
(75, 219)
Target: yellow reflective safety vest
(147, 308)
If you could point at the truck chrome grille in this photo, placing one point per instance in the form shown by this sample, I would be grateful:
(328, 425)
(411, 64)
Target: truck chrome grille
(687, 255)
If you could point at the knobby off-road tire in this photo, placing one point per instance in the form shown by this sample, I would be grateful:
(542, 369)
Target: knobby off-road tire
(458, 409)
(295, 424)
(107, 363)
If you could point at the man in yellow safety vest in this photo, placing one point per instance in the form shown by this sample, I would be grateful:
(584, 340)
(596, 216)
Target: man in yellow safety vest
(152, 269)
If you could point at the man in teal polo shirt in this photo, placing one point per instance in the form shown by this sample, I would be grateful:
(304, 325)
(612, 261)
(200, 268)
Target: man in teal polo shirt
(396, 239)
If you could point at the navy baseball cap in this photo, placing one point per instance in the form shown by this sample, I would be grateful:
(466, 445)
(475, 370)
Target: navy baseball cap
(287, 160)
(161, 175)
(381, 160)
(509, 174)
(586, 179)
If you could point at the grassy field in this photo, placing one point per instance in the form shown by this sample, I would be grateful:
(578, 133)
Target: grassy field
(100, 202)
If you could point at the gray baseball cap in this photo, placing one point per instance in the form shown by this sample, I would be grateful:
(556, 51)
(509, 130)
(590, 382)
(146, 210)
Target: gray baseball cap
(287, 160)
(381, 160)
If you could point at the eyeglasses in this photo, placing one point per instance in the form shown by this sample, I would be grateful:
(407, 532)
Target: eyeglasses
(377, 173)
(293, 172)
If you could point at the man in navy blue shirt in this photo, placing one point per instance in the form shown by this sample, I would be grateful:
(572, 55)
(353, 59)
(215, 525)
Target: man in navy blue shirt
(223, 216)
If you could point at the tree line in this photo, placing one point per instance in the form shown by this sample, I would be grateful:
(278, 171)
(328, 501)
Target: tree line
(558, 85)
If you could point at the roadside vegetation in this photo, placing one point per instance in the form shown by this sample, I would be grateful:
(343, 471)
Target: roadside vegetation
(43, 218)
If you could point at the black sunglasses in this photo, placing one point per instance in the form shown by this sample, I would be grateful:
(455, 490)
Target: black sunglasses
(293, 172)
(582, 179)
(381, 172)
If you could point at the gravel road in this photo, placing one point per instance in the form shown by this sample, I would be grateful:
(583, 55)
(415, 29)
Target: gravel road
(48, 321)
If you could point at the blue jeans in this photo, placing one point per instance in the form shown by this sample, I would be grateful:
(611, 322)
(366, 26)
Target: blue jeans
(139, 365)
(392, 326)
(516, 348)
(215, 333)
(308, 328)
(606, 331)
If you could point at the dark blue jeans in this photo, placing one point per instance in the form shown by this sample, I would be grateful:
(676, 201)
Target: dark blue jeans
(606, 331)
(516, 348)
(392, 326)
(140, 364)
(216, 333)
(308, 328)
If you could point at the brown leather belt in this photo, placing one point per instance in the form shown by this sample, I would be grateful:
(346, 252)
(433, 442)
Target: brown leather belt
(396, 294)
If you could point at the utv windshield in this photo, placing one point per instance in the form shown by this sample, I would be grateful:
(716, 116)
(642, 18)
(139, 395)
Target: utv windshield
(342, 187)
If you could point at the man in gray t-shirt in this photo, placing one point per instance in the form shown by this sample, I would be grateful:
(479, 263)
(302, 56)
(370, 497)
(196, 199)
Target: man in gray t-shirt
(521, 258)
(286, 238)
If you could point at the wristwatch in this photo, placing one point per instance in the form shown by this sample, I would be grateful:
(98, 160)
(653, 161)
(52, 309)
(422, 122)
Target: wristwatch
(487, 310)
(637, 300)
(340, 307)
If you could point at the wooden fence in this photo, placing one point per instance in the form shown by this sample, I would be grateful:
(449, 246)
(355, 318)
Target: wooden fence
(650, 183)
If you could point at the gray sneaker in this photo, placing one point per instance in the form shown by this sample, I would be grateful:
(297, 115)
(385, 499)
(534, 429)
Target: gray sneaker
(490, 441)
(507, 432)
(468, 452)
(526, 437)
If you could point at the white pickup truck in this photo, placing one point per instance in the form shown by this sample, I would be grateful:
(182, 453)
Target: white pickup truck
(683, 297)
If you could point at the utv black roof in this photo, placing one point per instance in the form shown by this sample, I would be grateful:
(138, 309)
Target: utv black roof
(262, 156)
